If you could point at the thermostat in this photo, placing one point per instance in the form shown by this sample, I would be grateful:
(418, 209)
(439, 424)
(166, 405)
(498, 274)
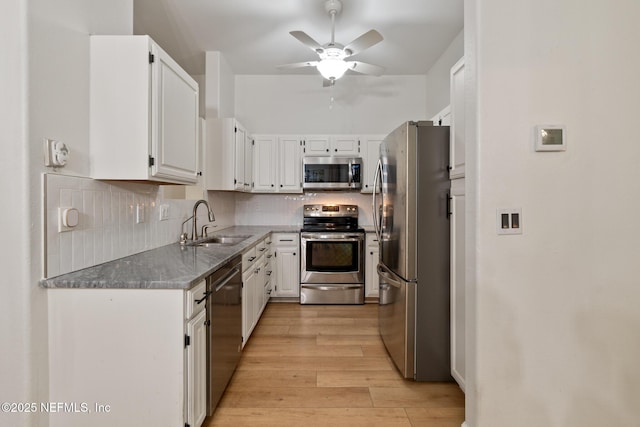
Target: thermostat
(551, 138)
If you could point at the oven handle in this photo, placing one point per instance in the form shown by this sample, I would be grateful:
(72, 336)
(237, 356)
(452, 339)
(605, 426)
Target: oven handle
(333, 237)
(332, 288)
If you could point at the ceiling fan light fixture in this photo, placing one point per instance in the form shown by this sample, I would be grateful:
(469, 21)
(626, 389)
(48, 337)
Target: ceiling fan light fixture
(332, 68)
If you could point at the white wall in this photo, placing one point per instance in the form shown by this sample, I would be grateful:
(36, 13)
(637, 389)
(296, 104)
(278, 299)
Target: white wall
(557, 308)
(438, 78)
(16, 367)
(219, 98)
(44, 81)
(299, 103)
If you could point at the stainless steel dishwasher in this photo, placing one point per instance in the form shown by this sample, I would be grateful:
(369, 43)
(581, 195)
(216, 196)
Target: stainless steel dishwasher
(224, 319)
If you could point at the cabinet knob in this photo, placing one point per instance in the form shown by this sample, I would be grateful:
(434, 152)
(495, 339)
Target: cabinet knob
(336, 150)
(280, 185)
(272, 185)
(327, 150)
(371, 253)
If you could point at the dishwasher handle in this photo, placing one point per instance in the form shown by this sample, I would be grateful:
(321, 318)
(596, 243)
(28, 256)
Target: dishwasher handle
(219, 284)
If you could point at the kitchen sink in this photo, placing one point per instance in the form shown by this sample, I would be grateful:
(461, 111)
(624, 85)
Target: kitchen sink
(219, 240)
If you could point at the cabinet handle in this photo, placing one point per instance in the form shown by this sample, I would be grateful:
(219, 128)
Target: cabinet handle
(294, 254)
(252, 258)
(370, 253)
(272, 185)
(327, 150)
(336, 150)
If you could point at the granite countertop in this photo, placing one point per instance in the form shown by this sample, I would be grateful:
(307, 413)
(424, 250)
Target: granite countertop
(167, 267)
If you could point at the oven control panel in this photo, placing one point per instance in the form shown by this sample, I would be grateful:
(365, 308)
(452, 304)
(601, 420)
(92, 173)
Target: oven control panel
(330, 210)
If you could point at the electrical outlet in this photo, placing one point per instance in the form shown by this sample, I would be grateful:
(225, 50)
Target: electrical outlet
(509, 221)
(139, 213)
(164, 212)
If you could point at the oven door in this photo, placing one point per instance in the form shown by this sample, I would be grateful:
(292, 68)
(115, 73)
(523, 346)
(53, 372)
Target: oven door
(332, 257)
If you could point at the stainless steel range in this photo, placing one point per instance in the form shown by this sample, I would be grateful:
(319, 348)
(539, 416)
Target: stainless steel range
(332, 263)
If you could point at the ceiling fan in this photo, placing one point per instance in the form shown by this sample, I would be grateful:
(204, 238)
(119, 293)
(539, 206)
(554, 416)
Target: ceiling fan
(332, 64)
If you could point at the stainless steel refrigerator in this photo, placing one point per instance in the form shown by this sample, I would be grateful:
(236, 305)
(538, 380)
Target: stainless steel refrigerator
(411, 216)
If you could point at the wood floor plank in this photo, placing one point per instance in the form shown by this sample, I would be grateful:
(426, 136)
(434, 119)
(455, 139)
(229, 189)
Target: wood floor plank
(302, 397)
(314, 363)
(418, 395)
(309, 417)
(332, 330)
(288, 350)
(435, 417)
(309, 321)
(349, 340)
(248, 379)
(360, 379)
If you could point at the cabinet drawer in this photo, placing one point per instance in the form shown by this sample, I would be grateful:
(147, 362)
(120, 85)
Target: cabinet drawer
(371, 239)
(285, 239)
(248, 258)
(261, 248)
(192, 296)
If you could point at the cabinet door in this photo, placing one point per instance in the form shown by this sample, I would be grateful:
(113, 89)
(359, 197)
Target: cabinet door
(288, 267)
(197, 370)
(248, 162)
(290, 164)
(371, 263)
(317, 145)
(248, 297)
(458, 330)
(264, 163)
(239, 144)
(174, 124)
(371, 154)
(345, 145)
(456, 145)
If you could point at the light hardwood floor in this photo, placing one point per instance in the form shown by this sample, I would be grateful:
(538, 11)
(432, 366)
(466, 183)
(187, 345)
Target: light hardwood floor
(308, 365)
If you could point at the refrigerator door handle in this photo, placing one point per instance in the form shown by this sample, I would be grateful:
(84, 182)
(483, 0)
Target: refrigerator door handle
(377, 221)
(389, 277)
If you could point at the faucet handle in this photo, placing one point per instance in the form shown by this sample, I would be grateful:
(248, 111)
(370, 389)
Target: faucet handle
(205, 228)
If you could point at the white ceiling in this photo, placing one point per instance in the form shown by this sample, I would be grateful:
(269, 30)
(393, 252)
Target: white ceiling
(253, 35)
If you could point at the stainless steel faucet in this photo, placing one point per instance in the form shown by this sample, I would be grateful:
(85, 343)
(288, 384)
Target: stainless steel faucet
(194, 226)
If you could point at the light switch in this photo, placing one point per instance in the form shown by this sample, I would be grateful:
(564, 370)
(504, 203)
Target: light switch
(164, 212)
(509, 221)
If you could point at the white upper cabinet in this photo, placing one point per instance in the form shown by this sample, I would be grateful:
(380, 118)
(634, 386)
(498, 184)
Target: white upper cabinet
(265, 152)
(143, 113)
(277, 164)
(227, 163)
(289, 164)
(456, 145)
(345, 145)
(443, 118)
(317, 145)
(331, 145)
(370, 156)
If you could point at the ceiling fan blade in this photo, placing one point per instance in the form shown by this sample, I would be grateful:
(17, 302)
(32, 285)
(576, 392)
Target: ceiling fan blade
(306, 40)
(298, 65)
(363, 42)
(364, 68)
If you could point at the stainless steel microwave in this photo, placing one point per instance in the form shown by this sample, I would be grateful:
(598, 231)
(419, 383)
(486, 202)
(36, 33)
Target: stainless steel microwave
(332, 173)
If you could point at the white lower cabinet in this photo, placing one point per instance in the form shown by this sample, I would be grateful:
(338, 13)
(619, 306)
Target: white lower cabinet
(255, 279)
(107, 345)
(197, 369)
(371, 258)
(286, 252)
(458, 329)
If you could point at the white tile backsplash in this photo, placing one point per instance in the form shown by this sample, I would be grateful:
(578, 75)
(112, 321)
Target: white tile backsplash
(107, 228)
